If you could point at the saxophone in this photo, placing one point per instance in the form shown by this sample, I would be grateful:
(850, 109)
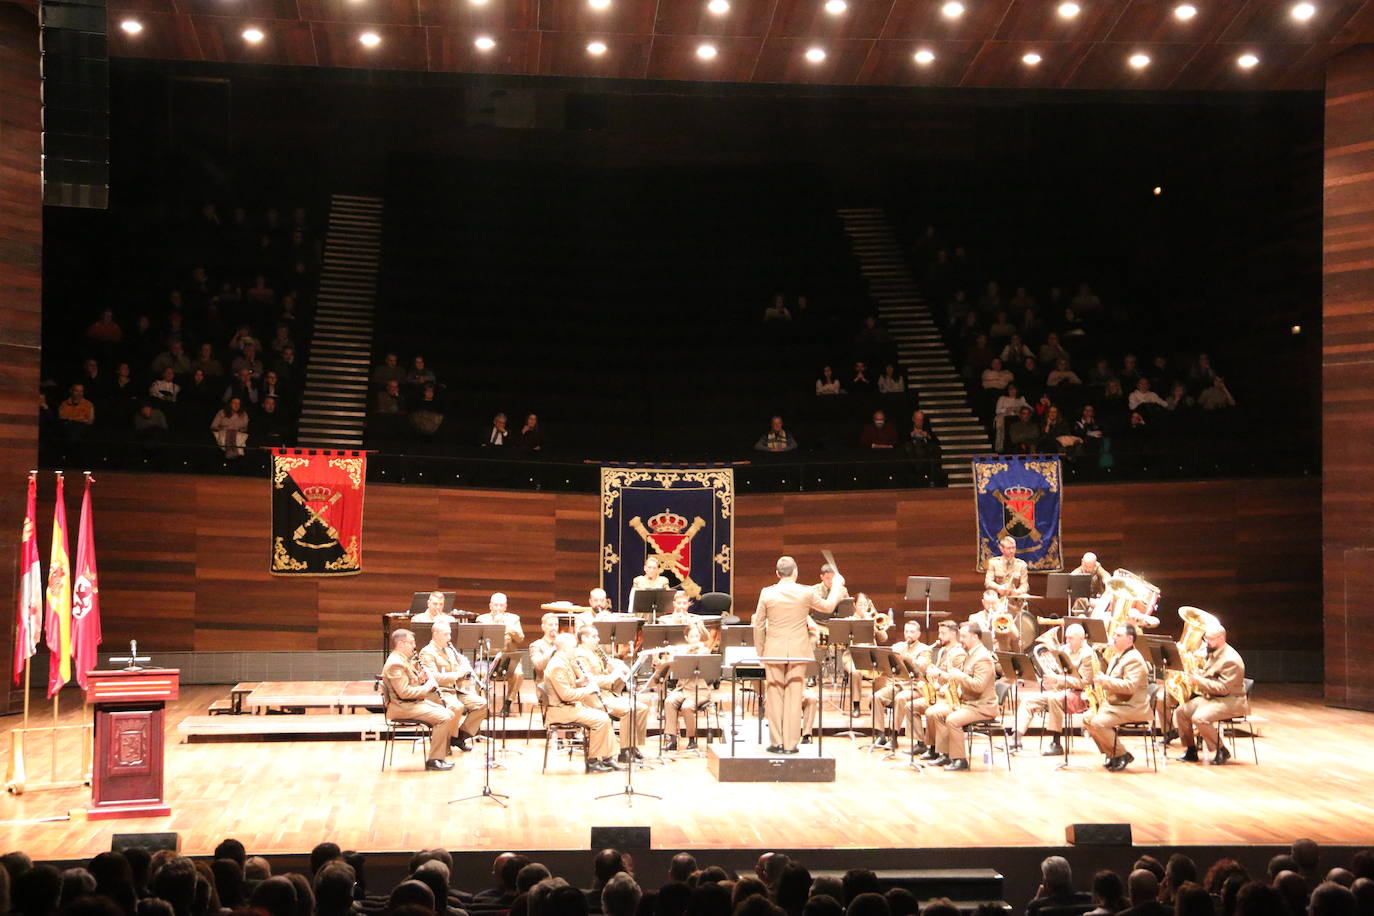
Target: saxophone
(951, 693)
(1094, 695)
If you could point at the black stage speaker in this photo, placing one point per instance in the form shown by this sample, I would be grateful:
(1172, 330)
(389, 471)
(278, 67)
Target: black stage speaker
(149, 841)
(621, 838)
(1098, 834)
(76, 104)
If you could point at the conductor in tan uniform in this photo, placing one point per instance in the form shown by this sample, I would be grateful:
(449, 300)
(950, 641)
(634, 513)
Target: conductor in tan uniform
(976, 677)
(572, 697)
(1126, 683)
(414, 694)
(1220, 687)
(453, 673)
(780, 631)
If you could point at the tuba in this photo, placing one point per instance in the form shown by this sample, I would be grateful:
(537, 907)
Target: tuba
(1196, 623)
(1126, 594)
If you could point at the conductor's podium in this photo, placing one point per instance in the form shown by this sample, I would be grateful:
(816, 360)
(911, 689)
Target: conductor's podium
(751, 763)
(127, 772)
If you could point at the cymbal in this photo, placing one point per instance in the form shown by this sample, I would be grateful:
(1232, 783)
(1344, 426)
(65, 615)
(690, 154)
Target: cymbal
(563, 607)
(1031, 597)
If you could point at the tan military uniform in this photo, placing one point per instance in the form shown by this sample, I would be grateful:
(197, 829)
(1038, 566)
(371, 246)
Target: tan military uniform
(907, 701)
(453, 672)
(977, 680)
(687, 698)
(1095, 588)
(567, 702)
(1221, 695)
(1052, 702)
(951, 656)
(515, 635)
(614, 698)
(1126, 683)
(541, 650)
(410, 700)
(780, 631)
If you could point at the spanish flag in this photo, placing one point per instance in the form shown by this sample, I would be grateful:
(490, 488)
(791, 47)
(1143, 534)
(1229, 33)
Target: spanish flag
(58, 624)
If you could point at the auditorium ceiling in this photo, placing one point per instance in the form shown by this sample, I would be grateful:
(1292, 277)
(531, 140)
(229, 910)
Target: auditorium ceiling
(1033, 44)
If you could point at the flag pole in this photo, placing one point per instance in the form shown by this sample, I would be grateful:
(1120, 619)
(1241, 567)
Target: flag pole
(53, 773)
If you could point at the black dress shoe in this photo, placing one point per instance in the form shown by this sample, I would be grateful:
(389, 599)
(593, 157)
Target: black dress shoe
(775, 748)
(670, 744)
(1115, 765)
(1189, 756)
(608, 762)
(462, 743)
(929, 753)
(790, 750)
(437, 764)
(806, 739)
(624, 757)
(1054, 750)
(634, 752)
(920, 748)
(881, 740)
(1127, 759)
(691, 744)
(596, 766)
(957, 766)
(939, 760)
(505, 709)
(854, 708)
(1221, 757)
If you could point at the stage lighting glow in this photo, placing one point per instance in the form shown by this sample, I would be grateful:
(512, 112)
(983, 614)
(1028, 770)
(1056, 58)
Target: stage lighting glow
(253, 36)
(484, 43)
(597, 47)
(815, 55)
(924, 56)
(952, 10)
(131, 26)
(599, 4)
(1139, 61)
(1247, 61)
(370, 39)
(1295, 330)
(1185, 11)
(835, 7)
(1069, 10)
(1304, 11)
(718, 7)
(1032, 58)
(706, 52)
(478, 2)
(1158, 191)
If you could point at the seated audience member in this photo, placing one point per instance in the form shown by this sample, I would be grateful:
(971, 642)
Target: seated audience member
(922, 443)
(1016, 352)
(1029, 377)
(122, 388)
(206, 362)
(504, 869)
(1143, 888)
(1008, 405)
(531, 434)
(150, 424)
(1112, 411)
(860, 383)
(1179, 400)
(777, 310)
(244, 387)
(1056, 433)
(990, 302)
(230, 428)
(419, 376)
(995, 378)
(890, 382)
(271, 427)
(427, 412)
(872, 333)
(1129, 374)
(165, 388)
(247, 359)
(777, 439)
(1143, 397)
(1056, 887)
(620, 896)
(93, 380)
(1062, 375)
(1109, 894)
(1071, 324)
(285, 365)
(1217, 397)
(1020, 302)
(1307, 854)
(272, 386)
(1200, 373)
(1100, 374)
(1086, 301)
(1023, 435)
(1002, 328)
(497, 434)
(1160, 374)
(174, 358)
(105, 330)
(388, 370)
(280, 340)
(1052, 351)
(1088, 429)
(877, 433)
(1032, 325)
(389, 400)
(1192, 899)
(978, 357)
(76, 413)
(826, 383)
(1330, 899)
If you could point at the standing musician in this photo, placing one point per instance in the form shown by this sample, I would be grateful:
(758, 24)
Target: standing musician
(611, 675)
(1090, 567)
(688, 696)
(543, 648)
(414, 694)
(1125, 684)
(1220, 687)
(908, 702)
(1010, 578)
(653, 578)
(453, 673)
(515, 635)
(780, 631)
(976, 678)
(573, 697)
(1063, 690)
(434, 609)
(946, 653)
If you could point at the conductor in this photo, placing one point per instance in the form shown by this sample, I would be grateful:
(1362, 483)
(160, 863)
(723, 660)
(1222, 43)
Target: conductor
(780, 632)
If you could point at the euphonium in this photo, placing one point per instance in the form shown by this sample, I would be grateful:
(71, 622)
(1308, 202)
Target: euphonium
(1196, 623)
(1125, 590)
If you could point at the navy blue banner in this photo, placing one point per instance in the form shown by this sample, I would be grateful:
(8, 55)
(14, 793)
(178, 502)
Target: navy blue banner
(1019, 496)
(683, 517)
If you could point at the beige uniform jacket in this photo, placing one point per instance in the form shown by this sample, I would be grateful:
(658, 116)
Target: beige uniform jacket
(541, 650)
(560, 685)
(515, 633)
(977, 679)
(919, 656)
(1223, 681)
(451, 668)
(1125, 682)
(405, 679)
(607, 676)
(780, 620)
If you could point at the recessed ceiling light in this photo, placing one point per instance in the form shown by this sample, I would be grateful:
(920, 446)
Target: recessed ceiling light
(596, 47)
(1185, 11)
(952, 10)
(718, 7)
(478, 2)
(706, 52)
(923, 56)
(370, 39)
(132, 26)
(1247, 61)
(1304, 11)
(1157, 191)
(599, 4)
(484, 43)
(1030, 58)
(252, 35)
(1139, 61)
(835, 7)
(1069, 10)
(815, 55)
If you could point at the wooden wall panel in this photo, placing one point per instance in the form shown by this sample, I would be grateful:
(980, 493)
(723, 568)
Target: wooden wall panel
(184, 559)
(1348, 377)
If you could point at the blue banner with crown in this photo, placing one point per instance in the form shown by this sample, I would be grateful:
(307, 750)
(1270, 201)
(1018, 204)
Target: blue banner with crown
(682, 517)
(1019, 496)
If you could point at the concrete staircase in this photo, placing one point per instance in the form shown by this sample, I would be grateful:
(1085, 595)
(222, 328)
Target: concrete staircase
(921, 352)
(334, 400)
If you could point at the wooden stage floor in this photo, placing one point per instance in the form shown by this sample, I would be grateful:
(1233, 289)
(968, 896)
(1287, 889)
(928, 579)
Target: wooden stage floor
(1316, 767)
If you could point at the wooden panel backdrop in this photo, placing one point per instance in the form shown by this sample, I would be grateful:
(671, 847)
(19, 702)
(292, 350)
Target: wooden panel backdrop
(183, 560)
(1348, 378)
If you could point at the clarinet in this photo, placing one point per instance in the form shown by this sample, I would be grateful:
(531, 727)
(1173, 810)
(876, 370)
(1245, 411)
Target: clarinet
(582, 666)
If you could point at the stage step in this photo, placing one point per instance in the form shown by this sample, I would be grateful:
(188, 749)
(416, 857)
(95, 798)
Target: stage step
(366, 725)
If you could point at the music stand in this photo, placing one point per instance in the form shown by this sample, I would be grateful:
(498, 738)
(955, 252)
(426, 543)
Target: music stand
(928, 589)
(844, 633)
(651, 601)
(1094, 628)
(628, 792)
(1069, 586)
(618, 632)
(843, 608)
(696, 668)
(870, 658)
(656, 635)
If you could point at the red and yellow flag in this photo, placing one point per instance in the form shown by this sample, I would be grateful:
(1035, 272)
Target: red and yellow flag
(86, 598)
(59, 620)
(30, 614)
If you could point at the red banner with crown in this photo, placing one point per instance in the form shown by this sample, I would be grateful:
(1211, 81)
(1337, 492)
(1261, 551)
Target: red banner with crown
(317, 512)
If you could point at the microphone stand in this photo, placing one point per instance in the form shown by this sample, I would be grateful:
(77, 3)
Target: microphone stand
(488, 764)
(629, 793)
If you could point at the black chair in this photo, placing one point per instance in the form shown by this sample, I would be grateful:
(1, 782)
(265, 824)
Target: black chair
(412, 729)
(712, 603)
(1234, 723)
(571, 736)
(996, 727)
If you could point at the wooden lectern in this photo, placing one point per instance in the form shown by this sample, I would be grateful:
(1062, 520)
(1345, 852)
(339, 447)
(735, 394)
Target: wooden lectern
(127, 772)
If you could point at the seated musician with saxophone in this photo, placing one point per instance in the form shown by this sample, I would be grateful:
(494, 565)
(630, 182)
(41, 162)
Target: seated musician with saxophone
(1062, 687)
(1118, 697)
(515, 635)
(909, 702)
(688, 696)
(412, 693)
(453, 673)
(611, 676)
(1219, 694)
(573, 697)
(969, 695)
(946, 652)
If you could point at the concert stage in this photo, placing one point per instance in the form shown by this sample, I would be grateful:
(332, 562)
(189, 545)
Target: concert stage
(1316, 764)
